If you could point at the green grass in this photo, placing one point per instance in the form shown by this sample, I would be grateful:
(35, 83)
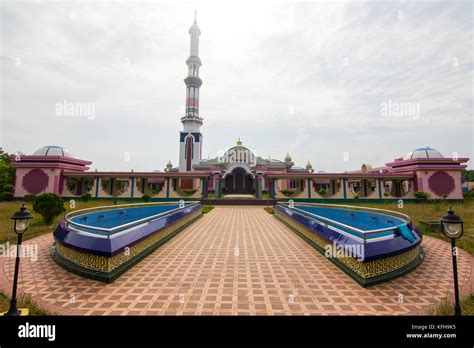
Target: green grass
(269, 210)
(447, 307)
(207, 208)
(24, 301)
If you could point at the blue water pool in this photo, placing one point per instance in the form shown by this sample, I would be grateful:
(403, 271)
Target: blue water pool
(369, 226)
(109, 219)
(371, 245)
(359, 219)
(102, 243)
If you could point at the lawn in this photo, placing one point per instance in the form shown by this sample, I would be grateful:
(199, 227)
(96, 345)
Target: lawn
(24, 301)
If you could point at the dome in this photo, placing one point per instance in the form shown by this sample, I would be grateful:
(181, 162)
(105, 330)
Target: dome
(366, 168)
(287, 158)
(309, 166)
(424, 152)
(52, 150)
(194, 28)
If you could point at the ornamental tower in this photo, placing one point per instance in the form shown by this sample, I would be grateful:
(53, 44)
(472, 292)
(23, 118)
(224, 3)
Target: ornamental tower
(190, 139)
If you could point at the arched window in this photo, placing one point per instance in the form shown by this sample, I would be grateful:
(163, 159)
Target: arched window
(188, 154)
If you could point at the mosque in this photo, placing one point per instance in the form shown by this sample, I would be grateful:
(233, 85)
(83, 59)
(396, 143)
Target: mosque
(238, 171)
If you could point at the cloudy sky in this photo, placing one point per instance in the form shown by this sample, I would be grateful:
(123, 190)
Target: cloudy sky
(336, 84)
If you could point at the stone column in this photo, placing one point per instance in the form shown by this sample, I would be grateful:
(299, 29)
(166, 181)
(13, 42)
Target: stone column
(218, 186)
(258, 186)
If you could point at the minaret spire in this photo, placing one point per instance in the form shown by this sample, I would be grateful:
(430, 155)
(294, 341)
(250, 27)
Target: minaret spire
(193, 81)
(191, 137)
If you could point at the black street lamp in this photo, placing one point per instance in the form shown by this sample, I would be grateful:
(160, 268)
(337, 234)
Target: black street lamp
(22, 220)
(453, 228)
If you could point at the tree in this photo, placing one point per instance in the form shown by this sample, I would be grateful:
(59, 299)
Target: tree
(467, 175)
(49, 205)
(7, 174)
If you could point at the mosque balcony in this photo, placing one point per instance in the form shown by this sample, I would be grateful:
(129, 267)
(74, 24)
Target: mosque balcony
(193, 81)
(189, 118)
(194, 59)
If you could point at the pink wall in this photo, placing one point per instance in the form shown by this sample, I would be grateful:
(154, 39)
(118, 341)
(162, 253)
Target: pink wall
(52, 185)
(423, 179)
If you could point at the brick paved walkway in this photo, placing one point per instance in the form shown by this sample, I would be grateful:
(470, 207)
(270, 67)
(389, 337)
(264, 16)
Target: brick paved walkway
(236, 260)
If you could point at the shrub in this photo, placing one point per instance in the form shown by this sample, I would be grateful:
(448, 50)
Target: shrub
(322, 192)
(86, 197)
(146, 198)
(356, 196)
(469, 194)
(49, 205)
(269, 210)
(8, 188)
(29, 198)
(422, 196)
(7, 196)
(189, 192)
(288, 192)
(207, 208)
(71, 184)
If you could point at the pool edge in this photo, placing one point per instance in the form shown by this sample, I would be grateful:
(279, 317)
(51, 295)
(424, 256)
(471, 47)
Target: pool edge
(116, 273)
(364, 282)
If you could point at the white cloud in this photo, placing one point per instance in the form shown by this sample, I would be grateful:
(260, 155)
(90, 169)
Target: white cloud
(301, 77)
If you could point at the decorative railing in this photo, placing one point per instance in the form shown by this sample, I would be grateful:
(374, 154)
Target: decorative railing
(326, 221)
(108, 231)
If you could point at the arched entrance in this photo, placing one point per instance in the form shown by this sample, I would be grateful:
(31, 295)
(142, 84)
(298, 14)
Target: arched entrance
(239, 182)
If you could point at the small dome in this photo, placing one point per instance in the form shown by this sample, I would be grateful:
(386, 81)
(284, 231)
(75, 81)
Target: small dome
(52, 150)
(169, 166)
(366, 168)
(287, 158)
(309, 165)
(424, 152)
(194, 27)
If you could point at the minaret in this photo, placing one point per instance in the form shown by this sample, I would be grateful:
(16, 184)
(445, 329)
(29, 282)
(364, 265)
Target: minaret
(190, 140)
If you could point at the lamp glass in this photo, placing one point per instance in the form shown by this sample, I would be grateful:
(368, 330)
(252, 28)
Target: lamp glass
(452, 229)
(21, 225)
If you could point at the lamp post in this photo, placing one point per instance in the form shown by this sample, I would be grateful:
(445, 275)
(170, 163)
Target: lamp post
(453, 228)
(21, 221)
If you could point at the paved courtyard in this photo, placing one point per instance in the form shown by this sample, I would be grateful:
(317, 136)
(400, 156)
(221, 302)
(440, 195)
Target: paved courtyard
(236, 260)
